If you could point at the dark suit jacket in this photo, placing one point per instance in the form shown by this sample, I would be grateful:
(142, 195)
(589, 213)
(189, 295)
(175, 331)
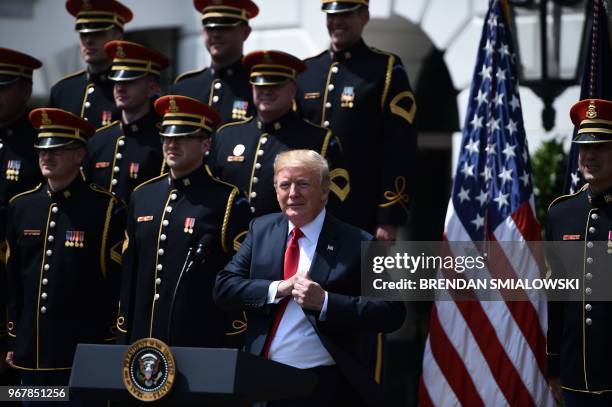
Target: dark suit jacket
(336, 267)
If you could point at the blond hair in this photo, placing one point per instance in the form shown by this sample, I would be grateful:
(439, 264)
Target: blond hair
(308, 159)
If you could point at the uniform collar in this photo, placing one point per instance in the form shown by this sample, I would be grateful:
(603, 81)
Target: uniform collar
(600, 199)
(197, 177)
(146, 122)
(228, 71)
(68, 192)
(275, 126)
(99, 78)
(356, 50)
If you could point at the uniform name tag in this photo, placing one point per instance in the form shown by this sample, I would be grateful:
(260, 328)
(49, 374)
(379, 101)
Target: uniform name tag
(312, 95)
(31, 232)
(571, 237)
(102, 164)
(235, 158)
(145, 218)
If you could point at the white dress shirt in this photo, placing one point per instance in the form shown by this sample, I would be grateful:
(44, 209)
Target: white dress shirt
(296, 343)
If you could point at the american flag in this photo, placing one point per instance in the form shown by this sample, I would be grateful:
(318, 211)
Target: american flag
(490, 353)
(596, 78)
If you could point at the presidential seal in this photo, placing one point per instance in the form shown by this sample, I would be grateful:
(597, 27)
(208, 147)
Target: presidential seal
(148, 369)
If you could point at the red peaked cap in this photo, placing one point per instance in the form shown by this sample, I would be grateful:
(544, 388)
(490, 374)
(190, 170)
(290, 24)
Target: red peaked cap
(184, 116)
(98, 15)
(593, 117)
(59, 128)
(15, 65)
(272, 67)
(132, 61)
(225, 13)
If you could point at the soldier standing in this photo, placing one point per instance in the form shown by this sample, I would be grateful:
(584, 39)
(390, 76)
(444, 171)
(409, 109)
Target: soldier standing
(18, 158)
(64, 252)
(185, 215)
(88, 93)
(225, 84)
(364, 96)
(579, 333)
(243, 153)
(128, 152)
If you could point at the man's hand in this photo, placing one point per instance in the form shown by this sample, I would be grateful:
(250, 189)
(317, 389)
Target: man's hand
(555, 386)
(9, 358)
(285, 287)
(308, 294)
(386, 232)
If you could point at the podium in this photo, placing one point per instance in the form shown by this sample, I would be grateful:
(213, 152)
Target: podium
(209, 376)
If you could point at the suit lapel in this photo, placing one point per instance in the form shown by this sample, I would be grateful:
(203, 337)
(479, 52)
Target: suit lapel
(324, 259)
(277, 238)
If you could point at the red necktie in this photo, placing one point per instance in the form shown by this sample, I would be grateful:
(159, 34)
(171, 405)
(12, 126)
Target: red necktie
(292, 258)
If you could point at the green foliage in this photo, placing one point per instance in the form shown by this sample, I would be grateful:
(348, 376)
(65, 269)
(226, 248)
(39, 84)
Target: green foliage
(548, 164)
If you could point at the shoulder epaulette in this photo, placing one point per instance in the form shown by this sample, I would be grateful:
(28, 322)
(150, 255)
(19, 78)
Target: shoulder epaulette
(216, 179)
(564, 197)
(108, 125)
(188, 73)
(72, 75)
(99, 189)
(29, 191)
(316, 56)
(248, 119)
(151, 180)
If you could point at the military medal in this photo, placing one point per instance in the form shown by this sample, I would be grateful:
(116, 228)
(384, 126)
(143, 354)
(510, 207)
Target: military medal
(80, 238)
(609, 241)
(12, 170)
(189, 223)
(239, 110)
(347, 99)
(134, 170)
(106, 117)
(69, 239)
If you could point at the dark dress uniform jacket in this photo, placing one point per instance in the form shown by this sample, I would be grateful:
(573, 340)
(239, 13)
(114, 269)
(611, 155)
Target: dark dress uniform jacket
(364, 96)
(243, 154)
(19, 173)
(166, 218)
(335, 266)
(63, 272)
(87, 95)
(580, 333)
(227, 90)
(122, 156)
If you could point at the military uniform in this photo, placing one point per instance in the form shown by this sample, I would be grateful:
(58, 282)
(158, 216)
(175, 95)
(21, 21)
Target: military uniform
(227, 89)
(580, 332)
(364, 97)
(63, 259)
(86, 94)
(123, 155)
(243, 154)
(19, 170)
(168, 217)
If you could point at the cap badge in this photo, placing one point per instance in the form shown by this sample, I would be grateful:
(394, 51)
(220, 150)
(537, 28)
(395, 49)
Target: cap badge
(45, 118)
(591, 112)
(86, 5)
(173, 107)
(267, 59)
(217, 2)
(120, 52)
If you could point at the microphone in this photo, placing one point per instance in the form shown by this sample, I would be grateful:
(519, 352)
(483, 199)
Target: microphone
(196, 255)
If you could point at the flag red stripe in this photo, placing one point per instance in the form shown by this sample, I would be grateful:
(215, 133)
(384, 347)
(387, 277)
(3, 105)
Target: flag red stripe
(451, 364)
(501, 366)
(424, 399)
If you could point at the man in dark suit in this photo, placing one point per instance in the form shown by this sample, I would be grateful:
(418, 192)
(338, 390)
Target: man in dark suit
(304, 309)
(580, 332)
(89, 93)
(225, 84)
